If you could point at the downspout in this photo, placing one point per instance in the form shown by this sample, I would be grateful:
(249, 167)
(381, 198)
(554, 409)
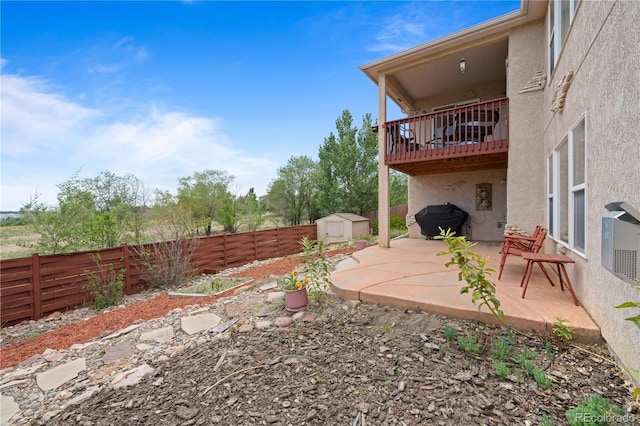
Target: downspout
(384, 200)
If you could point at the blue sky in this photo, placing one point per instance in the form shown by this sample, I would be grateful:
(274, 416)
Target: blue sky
(164, 89)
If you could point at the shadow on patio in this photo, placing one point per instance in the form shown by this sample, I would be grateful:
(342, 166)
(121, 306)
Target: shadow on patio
(410, 274)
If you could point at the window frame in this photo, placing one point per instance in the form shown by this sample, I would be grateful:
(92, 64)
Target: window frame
(556, 31)
(573, 192)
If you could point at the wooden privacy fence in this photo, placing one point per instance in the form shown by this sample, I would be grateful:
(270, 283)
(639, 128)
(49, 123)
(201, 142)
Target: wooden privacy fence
(33, 287)
(400, 210)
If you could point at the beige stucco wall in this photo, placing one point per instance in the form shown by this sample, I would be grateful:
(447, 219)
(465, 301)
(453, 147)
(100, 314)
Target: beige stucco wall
(602, 50)
(460, 189)
(526, 170)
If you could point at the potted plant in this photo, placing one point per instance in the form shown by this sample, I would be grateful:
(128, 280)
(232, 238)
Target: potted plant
(295, 291)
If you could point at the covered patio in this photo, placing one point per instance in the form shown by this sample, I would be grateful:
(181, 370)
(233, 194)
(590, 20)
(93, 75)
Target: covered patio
(410, 274)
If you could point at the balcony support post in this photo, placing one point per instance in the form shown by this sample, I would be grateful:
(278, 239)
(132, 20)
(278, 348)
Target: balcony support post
(384, 199)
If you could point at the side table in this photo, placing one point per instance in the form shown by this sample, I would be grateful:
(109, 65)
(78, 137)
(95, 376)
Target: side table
(557, 259)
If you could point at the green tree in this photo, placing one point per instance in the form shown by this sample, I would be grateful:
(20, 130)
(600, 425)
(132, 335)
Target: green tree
(399, 188)
(204, 193)
(348, 168)
(230, 213)
(290, 195)
(252, 210)
(91, 213)
(115, 199)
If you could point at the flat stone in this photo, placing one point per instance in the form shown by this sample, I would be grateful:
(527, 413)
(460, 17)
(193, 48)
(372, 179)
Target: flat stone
(245, 328)
(122, 332)
(131, 377)
(263, 325)
(56, 376)
(275, 296)
(160, 335)
(8, 409)
(85, 395)
(116, 352)
(283, 322)
(197, 323)
(269, 286)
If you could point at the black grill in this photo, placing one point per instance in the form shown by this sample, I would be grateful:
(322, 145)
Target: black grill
(444, 216)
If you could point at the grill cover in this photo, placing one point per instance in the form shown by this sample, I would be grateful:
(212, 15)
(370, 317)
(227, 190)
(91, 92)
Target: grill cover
(444, 216)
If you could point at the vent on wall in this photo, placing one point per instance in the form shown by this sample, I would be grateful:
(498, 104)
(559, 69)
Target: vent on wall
(625, 262)
(621, 241)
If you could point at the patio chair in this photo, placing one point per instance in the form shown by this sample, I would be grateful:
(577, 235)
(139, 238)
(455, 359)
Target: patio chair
(402, 138)
(518, 244)
(521, 241)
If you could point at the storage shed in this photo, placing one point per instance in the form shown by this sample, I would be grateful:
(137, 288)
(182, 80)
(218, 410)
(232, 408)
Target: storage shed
(339, 227)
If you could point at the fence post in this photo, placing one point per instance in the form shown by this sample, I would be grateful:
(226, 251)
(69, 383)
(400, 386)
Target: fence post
(278, 240)
(224, 249)
(127, 273)
(37, 290)
(255, 245)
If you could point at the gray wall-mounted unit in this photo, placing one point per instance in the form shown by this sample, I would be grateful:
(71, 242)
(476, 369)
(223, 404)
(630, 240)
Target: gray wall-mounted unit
(621, 241)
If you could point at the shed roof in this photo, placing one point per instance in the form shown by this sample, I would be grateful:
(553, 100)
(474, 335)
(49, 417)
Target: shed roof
(349, 216)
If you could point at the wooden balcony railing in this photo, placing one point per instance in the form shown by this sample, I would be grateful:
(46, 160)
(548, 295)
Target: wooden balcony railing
(472, 130)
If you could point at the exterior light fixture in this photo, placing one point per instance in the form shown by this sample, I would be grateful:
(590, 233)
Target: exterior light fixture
(463, 65)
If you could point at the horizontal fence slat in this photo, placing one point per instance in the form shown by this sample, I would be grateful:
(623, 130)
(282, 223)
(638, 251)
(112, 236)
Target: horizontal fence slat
(33, 287)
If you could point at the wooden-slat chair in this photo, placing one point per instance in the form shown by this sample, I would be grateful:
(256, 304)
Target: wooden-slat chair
(518, 244)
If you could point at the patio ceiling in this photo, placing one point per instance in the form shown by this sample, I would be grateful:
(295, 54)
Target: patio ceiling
(483, 64)
(433, 68)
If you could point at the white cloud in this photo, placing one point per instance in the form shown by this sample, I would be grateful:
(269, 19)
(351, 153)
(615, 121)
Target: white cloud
(399, 32)
(33, 116)
(46, 138)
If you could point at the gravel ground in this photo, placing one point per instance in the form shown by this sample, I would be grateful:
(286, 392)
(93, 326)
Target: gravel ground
(347, 363)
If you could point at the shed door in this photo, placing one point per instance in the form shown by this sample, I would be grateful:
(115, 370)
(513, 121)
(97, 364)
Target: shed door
(335, 229)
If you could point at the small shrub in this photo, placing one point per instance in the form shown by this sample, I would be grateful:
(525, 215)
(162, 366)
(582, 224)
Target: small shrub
(502, 348)
(525, 360)
(449, 332)
(396, 222)
(548, 348)
(167, 264)
(594, 410)
(502, 370)
(541, 378)
(562, 330)
(547, 421)
(473, 270)
(317, 268)
(469, 344)
(106, 287)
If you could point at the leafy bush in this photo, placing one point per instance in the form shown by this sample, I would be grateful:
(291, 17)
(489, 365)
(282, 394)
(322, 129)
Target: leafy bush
(469, 344)
(317, 267)
(473, 271)
(167, 264)
(449, 332)
(594, 410)
(502, 370)
(395, 223)
(106, 288)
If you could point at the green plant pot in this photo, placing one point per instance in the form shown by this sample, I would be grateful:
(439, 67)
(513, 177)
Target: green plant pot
(295, 300)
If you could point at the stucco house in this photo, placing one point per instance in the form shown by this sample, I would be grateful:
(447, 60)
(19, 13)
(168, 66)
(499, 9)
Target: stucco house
(528, 119)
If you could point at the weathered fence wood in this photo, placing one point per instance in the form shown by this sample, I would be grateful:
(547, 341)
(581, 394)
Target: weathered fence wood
(33, 287)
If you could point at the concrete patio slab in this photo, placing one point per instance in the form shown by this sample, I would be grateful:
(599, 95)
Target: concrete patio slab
(410, 274)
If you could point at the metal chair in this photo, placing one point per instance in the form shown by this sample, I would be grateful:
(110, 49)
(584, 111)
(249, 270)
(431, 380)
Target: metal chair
(401, 138)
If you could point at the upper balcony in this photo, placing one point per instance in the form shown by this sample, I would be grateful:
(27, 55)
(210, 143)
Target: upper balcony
(472, 137)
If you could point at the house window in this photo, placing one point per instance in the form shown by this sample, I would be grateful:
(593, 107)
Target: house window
(566, 190)
(560, 16)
